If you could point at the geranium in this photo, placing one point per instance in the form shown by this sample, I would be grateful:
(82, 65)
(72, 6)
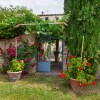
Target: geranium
(62, 75)
(78, 69)
(72, 56)
(89, 64)
(84, 84)
(93, 83)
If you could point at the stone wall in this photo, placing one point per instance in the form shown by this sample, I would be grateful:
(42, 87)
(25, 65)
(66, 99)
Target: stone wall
(4, 43)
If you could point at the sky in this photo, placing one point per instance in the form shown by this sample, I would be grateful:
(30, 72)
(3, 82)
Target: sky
(38, 6)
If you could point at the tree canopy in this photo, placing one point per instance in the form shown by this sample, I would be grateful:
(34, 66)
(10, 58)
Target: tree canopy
(12, 16)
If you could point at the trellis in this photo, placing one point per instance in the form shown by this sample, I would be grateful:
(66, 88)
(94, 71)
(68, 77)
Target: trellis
(57, 23)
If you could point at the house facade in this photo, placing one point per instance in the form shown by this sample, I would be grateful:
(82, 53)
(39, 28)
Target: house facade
(51, 17)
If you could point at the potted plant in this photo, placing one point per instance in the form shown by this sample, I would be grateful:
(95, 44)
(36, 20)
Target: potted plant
(15, 69)
(79, 71)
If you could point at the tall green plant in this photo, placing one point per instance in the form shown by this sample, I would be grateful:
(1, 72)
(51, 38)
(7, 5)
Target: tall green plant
(12, 16)
(83, 20)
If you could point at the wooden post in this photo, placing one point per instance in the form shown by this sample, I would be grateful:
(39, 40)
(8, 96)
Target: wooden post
(82, 47)
(16, 46)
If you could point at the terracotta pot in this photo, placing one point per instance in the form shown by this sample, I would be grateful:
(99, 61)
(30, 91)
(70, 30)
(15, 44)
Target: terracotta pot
(75, 84)
(13, 76)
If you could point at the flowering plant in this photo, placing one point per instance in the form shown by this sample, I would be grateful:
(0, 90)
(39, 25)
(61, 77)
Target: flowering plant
(80, 70)
(1, 52)
(8, 55)
(16, 65)
(25, 52)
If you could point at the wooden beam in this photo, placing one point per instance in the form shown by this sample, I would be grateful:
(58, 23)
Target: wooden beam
(57, 23)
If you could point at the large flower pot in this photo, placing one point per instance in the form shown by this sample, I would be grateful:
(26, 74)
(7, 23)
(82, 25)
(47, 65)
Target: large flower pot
(13, 76)
(75, 84)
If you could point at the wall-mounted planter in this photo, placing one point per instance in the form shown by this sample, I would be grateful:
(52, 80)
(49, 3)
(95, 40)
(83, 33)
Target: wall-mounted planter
(43, 66)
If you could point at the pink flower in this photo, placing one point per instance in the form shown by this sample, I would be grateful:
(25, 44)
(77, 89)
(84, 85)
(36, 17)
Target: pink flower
(0, 54)
(40, 44)
(40, 55)
(3, 65)
(27, 59)
(24, 54)
(33, 65)
(42, 51)
(23, 72)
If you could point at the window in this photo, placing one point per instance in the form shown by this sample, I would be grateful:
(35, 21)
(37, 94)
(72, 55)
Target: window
(46, 18)
(57, 18)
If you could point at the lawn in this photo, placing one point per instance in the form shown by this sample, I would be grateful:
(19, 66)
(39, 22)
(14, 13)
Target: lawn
(36, 87)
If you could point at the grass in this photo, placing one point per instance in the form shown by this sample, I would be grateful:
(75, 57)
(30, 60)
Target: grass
(44, 88)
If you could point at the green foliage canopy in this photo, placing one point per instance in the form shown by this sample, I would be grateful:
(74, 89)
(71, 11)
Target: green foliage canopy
(83, 19)
(10, 17)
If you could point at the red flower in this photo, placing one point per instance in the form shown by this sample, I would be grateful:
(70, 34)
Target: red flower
(24, 54)
(93, 83)
(20, 61)
(89, 64)
(80, 68)
(88, 58)
(33, 65)
(68, 64)
(84, 84)
(42, 51)
(23, 72)
(40, 55)
(40, 44)
(3, 65)
(62, 75)
(72, 56)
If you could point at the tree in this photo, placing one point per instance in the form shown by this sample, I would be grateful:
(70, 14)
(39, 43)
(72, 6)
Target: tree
(83, 21)
(12, 16)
